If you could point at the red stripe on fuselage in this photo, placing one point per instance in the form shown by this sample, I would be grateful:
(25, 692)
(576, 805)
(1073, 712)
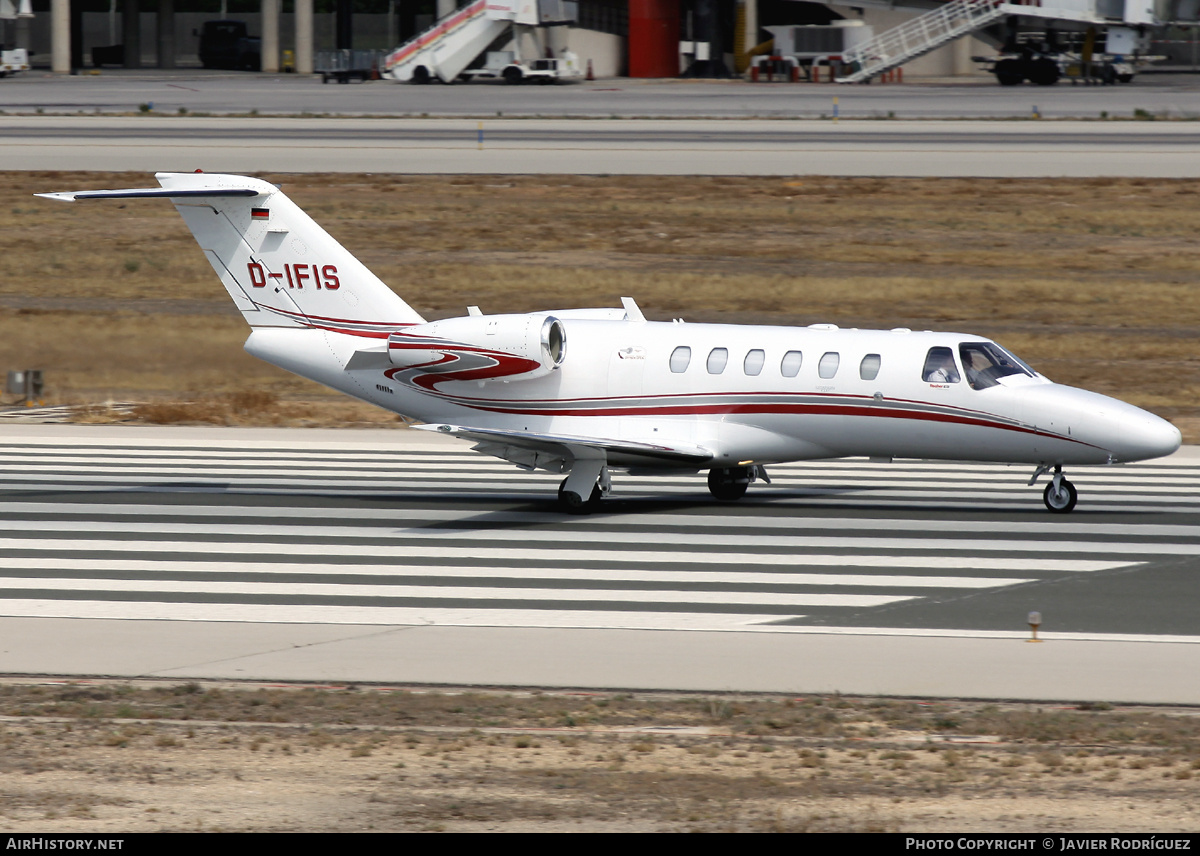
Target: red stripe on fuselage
(986, 421)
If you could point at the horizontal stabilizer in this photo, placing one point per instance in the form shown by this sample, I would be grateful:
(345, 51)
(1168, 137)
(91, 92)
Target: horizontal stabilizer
(280, 268)
(149, 192)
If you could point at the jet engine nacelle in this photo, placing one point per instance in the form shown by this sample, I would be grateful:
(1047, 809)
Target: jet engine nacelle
(482, 347)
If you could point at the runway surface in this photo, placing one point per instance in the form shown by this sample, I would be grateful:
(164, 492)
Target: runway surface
(609, 146)
(165, 93)
(319, 538)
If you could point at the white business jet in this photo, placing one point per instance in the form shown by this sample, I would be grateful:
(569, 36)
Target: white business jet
(587, 391)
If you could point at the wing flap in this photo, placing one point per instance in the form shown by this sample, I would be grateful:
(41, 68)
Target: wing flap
(551, 451)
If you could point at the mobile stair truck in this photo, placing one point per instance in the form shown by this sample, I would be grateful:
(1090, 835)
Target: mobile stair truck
(449, 48)
(1120, 23)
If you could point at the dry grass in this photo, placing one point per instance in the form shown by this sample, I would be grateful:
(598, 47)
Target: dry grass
(161, 757)
(123, 355)
(1091, 280)
(250, 407)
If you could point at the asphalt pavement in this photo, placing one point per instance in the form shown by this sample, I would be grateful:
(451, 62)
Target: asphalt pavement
(394, 556)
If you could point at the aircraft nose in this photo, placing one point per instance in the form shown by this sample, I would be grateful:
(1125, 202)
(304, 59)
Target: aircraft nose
(1145, 436)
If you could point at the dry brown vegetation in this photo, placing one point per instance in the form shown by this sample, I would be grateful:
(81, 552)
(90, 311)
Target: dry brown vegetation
(1091, 281)
(86, 757)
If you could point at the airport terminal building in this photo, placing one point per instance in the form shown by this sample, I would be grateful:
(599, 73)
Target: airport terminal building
(761, 39)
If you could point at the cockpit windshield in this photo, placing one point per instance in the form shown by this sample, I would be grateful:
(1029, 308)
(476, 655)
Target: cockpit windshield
(986, 362)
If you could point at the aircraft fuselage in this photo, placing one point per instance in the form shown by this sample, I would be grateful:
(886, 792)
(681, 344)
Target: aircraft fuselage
(764, 400)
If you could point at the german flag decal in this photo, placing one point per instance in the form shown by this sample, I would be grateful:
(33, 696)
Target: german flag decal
(260, 213)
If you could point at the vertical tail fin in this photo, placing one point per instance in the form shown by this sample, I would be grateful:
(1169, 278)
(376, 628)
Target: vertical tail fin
(280, 267)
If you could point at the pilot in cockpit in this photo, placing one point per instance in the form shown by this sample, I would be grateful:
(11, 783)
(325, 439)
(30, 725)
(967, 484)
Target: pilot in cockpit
(975, 364)
(939, 366)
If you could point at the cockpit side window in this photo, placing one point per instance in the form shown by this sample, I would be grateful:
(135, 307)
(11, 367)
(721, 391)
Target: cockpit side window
(940, 367)
(986, 362)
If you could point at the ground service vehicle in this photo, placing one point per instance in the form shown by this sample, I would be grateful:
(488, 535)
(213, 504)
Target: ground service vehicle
(13, 61)
(227, 44)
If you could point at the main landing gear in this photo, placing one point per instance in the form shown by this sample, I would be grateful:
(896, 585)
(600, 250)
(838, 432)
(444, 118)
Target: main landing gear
(1060, 495)
(725, 483)
(729, 483)
(573, 503)
(586, 472)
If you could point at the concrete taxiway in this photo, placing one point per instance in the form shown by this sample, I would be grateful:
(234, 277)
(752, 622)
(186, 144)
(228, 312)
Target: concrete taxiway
(397, 557)
(209, 91)
(609, 146)
(257, 123)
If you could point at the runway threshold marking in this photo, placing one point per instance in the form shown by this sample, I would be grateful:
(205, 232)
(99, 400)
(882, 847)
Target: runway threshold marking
(310, 556)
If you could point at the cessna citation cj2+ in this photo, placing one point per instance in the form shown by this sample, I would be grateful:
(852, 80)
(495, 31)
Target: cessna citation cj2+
(587, 391)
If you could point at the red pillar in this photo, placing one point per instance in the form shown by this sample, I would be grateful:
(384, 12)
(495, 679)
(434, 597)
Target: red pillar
(653, 38)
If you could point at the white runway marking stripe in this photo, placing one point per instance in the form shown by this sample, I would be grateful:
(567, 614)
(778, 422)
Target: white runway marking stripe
(416, 542)
(236, 536)
(532, 487)
(185, 459)
(486, 475)
(394, 616)
(486, 549)
(469, 462)
(942, 501)
(543, 496)
(408, 517)
(564, 595)
(116, 567)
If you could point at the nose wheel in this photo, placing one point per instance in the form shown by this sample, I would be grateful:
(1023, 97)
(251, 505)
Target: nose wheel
(1060, 495)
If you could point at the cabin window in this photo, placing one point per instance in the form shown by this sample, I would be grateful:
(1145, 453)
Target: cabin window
(986, 362)
(940, 367)
(753, 364)
(680, 357)
(790, 365)
(717, 359)
(868, 369)
(828, 365)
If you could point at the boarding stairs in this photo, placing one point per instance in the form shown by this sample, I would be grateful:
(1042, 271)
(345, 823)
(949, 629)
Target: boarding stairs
(453, 42)
(925, 33)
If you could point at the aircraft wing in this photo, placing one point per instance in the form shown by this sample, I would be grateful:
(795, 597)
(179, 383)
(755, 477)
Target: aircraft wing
(551, 451)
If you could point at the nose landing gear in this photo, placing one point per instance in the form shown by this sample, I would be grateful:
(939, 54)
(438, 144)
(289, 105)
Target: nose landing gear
(1060, 495)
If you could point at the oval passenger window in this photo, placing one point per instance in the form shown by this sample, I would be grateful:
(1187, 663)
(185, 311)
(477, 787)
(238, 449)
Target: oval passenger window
(868, 369)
